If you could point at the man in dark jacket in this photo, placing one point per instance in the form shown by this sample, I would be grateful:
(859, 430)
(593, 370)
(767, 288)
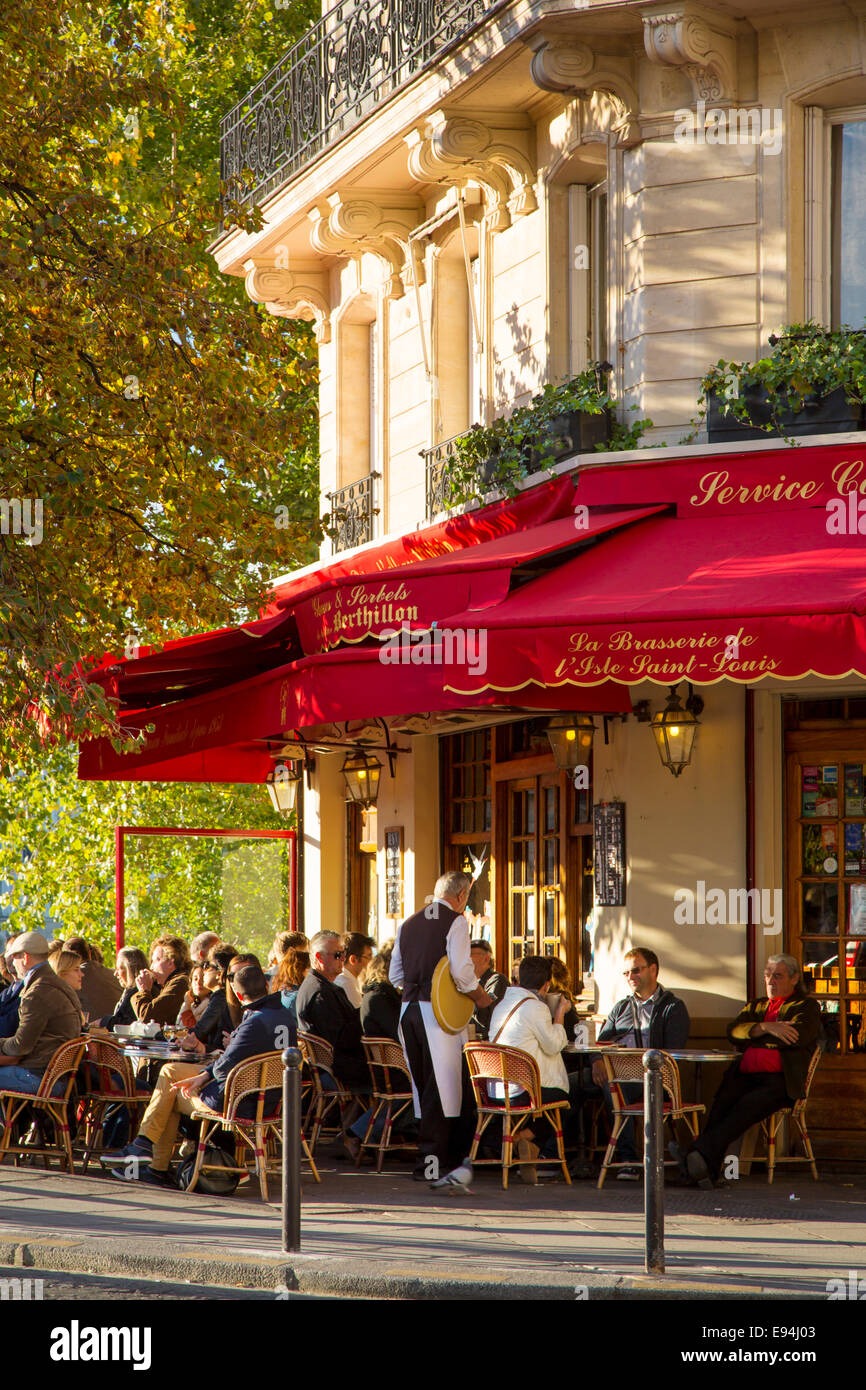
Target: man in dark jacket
(777, 1036)
(490, 980)
(649, 1016)
(49, 1014)
(325, 1010)
(184, 1089)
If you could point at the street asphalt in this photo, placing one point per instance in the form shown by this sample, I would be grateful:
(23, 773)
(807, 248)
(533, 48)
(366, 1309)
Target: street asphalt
(384, 1236)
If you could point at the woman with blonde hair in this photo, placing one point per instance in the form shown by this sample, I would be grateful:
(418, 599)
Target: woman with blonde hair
(69, 967)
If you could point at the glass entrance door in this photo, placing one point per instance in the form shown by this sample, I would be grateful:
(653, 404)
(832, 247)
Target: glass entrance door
(535, 908)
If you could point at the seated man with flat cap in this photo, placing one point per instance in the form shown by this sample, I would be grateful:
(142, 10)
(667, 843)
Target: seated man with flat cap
(48, 1014)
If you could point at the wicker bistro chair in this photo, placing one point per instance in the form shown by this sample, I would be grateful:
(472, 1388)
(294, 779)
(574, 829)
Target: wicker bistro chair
(112, 1082)
(628, 1066)
(392, 1092)
(254, 1077)
(490, 1062)
(770, 1127)
(60, 1072)
(326, 1091)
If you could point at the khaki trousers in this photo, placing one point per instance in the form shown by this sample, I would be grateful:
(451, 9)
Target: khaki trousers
(162, 1116)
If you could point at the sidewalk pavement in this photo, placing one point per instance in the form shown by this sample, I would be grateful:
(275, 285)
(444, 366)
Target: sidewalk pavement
(385, 1236)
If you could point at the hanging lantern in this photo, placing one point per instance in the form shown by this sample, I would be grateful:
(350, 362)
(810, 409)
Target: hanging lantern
(282, 784)
(674, 729)
(571, 738)
(361, 771)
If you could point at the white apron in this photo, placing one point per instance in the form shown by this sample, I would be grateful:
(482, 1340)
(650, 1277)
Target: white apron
(446, 1050)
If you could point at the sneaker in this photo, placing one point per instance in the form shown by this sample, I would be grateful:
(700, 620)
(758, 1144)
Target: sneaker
(581, 1168)
(136, 1155)
(526, 1152)
(696, 1166)
(455, 1182)
(157, 1177)
(629, 1175)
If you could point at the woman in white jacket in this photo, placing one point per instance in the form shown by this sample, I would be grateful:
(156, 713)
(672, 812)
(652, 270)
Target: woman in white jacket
(522, 1019)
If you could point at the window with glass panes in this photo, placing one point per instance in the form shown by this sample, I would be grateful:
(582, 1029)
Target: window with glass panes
(826, 849)
(467, 816)
(535, 921)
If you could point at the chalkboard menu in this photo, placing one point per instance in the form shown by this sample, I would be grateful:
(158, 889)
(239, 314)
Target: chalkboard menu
(608, 825)
(394, 871)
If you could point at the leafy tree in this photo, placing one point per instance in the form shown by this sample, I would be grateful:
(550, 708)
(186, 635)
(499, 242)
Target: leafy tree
(57, 856)
(157, 419)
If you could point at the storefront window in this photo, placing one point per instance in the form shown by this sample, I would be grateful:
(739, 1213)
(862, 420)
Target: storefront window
(827, 875)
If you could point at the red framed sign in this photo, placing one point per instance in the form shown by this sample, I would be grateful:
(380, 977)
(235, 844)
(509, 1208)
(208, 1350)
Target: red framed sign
(121, 832)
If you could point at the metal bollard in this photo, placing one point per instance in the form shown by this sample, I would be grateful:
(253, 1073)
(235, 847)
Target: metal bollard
(291, 1149)
(653, 1164)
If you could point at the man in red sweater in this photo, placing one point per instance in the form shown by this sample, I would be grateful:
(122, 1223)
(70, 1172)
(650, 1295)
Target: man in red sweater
(777, 1034)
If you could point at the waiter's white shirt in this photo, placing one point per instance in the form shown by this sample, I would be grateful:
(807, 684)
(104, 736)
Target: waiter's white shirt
(446, 1049)
(456, 949)
(347, 982)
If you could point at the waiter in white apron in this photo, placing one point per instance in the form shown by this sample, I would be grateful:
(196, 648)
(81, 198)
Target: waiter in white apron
(435, 1057)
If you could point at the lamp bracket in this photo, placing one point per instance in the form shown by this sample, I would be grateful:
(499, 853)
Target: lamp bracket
(695, 703)
(607, 718)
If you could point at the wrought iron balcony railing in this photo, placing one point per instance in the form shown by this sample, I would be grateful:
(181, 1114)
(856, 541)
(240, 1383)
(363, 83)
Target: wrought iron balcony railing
(352, 513)
(436, 462)
(345, 66)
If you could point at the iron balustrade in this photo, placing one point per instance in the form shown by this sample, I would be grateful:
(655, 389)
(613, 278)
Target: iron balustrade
(352, 513)
(436, 491)
(436, 477)
(345, 66)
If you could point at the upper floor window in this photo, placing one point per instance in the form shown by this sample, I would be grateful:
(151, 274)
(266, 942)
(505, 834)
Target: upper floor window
(848, 215)
(587, 249)
(359, 395)
(835, 186)
(459, 334)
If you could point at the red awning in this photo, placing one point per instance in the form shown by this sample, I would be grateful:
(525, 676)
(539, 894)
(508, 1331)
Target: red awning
(338, 686)
(352, 608)
(722, 598)
(533, 507)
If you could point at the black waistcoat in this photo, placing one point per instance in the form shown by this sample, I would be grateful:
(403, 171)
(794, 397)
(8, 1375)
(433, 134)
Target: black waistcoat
(422, 946)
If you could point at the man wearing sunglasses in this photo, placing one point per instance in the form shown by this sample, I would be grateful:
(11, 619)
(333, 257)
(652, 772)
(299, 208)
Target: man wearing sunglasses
(326, 1010)
(649, 1016)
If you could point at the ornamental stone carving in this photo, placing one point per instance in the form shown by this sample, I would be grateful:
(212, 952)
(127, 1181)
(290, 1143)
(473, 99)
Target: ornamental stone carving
(699, 41)
(567, 65)
(495, 154)
(347, 226)
(292, 296)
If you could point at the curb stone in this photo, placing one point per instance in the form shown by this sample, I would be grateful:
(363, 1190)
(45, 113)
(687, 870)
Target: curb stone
(314, 1275)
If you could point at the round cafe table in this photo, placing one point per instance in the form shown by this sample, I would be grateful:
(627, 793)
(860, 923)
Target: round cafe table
(151, 1056)
(683, 1054)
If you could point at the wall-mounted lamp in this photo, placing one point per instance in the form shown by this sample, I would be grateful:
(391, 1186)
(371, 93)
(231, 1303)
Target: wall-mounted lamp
(282, 783)
(571, 737)
(674, 729)
(361, 772)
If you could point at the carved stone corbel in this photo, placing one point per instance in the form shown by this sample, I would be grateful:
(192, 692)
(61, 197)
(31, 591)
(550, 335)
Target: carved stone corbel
(566, 65)
(292, 296)
(346, 226)
(700, 42)
(456, 150)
